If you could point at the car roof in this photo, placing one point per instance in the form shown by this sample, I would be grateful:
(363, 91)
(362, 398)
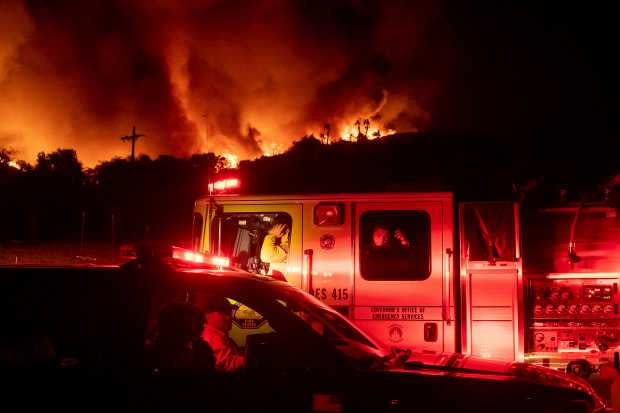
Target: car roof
(228, 277)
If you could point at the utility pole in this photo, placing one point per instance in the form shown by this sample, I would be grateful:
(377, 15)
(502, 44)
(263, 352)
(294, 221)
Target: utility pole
(133, 138)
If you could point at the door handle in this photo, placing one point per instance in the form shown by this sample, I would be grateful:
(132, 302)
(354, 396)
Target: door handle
(308, 254)
(447, 300)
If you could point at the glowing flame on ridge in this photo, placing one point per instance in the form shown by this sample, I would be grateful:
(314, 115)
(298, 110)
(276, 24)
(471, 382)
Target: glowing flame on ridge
(351, 133)
(231, 159)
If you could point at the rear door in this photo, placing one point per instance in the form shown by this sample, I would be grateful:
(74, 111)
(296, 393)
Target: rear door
(402, 292)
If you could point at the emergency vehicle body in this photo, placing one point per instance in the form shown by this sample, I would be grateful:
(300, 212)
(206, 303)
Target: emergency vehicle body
(459, 286)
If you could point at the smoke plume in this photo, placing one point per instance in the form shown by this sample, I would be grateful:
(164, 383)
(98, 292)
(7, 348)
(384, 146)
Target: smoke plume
(228, 76)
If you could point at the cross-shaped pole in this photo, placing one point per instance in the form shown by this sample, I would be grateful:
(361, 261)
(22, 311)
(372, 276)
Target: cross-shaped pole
(133, 138)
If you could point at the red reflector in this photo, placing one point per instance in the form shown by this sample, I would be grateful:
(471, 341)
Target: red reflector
(328, 214)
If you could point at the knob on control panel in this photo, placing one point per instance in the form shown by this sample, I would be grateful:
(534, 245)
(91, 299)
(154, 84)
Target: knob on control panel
(538, 310)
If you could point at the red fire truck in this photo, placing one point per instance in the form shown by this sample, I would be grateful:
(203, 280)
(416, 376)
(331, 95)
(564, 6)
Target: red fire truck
(421, 271)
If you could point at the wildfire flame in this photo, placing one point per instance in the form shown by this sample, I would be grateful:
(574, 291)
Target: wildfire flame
(273, 149)
(14, 164)
(351, 132)
(232, 160)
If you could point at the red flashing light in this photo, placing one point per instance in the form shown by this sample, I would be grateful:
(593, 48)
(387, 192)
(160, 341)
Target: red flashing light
(187, 255)
(198, 258)
(220, 261)
(224, 185)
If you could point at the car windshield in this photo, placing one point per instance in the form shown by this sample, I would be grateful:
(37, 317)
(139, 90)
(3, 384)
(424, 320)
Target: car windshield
(328, 323)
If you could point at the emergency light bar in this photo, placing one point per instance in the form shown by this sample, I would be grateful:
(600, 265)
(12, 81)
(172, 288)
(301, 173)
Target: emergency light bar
(198, 258)
(224, 185)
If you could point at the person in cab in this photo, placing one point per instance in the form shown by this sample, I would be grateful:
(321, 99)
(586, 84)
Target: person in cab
(381, 237)
(218, 312)
(387, 253)
(178, 344)
(275, 248)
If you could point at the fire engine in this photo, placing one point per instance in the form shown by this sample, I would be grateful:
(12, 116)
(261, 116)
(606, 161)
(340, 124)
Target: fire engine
(462, 279)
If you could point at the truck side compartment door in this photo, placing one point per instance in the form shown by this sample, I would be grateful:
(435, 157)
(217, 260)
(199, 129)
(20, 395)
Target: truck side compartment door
(403, 295)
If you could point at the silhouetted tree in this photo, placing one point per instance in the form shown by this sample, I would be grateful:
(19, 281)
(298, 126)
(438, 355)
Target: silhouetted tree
(6, 156)
(154, 197)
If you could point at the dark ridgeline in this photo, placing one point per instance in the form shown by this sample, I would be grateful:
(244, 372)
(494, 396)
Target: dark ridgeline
(56, 199)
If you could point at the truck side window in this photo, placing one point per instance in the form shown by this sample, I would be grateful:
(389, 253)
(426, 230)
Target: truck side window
(395, 245)
(489, 230)
(255, 242)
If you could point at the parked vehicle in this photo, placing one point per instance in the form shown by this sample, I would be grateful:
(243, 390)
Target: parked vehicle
(302, 355)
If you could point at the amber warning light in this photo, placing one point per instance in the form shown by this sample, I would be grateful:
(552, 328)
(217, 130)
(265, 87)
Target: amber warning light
(224, 185)
(198, 258)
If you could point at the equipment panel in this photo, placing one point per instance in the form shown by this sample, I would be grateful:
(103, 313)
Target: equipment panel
(573, 299)
(573, 318)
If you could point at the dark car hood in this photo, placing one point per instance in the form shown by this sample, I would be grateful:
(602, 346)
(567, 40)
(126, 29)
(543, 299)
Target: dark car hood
(464, 365)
